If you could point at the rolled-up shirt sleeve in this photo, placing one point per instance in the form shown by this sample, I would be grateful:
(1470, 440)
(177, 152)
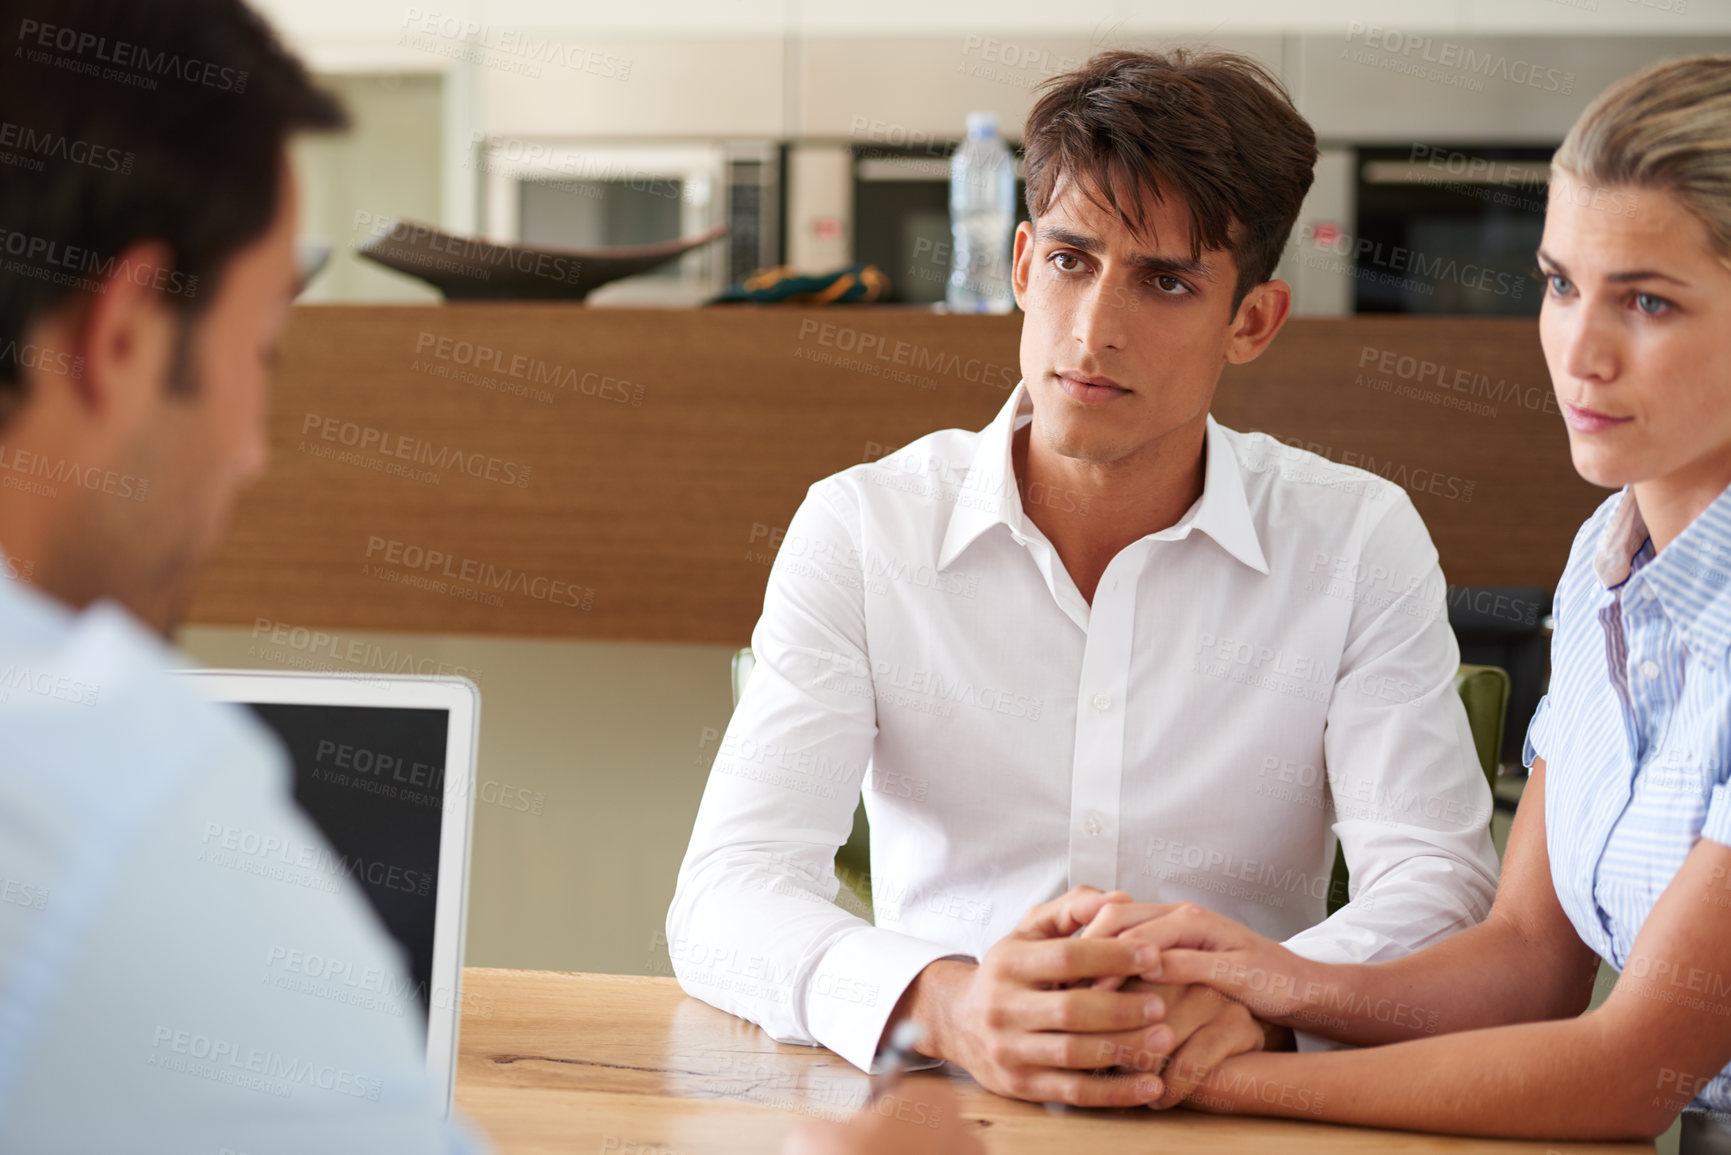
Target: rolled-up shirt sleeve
(1717, 826)
(753, 929)
(1538, 735)
(1412, 808)
(1538, 739)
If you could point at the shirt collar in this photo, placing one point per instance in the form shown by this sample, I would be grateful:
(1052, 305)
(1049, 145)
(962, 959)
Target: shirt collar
(1621, 539)
(1691, 577)
(989, 496)
(1223, 513)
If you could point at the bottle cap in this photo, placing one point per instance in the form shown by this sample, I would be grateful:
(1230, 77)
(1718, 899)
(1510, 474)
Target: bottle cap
(982, 125)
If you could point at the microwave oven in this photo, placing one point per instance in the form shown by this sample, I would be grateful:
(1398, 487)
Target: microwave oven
(601, 194)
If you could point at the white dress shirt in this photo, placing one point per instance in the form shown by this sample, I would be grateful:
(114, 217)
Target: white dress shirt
(148, 933)
(1269, 674)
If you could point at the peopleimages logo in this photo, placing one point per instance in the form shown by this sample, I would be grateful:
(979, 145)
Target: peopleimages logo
(419, 560)
(81, 268)
(306, 648)
(532, 370)
(55, 146)
(227, 845)
(366, 438)
(472, 251)
(1365, 258)
(122, 56)
(471, 39)
(585, 175)
(225, 1060)
(39, 474)
(1441, 376)
(20, 678)
(28, 355)
(1412, 53)
(866, 345)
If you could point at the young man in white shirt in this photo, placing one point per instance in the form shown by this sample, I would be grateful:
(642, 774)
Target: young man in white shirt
(1103, 648)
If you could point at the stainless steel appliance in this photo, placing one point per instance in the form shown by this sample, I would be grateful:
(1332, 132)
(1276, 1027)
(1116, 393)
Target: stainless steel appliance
(587, 194)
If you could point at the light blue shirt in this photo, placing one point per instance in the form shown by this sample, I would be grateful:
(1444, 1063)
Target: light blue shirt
(1636, 729)
(155, 989)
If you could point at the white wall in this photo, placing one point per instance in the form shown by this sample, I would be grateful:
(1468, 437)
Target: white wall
(390, 163)
(318, 21)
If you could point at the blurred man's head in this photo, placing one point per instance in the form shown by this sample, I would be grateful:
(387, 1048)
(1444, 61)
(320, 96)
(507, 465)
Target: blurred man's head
(1162, 189)
(147, 262)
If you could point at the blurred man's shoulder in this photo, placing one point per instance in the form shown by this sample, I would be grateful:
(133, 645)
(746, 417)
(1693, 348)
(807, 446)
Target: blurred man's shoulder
(101, 742)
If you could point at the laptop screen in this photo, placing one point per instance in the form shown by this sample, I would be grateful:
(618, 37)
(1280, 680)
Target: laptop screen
(372, 779)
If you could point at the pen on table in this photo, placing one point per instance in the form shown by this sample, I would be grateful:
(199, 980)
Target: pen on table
(894, 1059)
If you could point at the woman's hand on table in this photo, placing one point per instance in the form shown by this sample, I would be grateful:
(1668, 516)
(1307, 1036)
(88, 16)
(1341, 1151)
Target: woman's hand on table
(1198, 946)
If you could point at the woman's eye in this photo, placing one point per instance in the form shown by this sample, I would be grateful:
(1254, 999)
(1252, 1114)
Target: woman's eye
(1650, 305)
(1559, 284)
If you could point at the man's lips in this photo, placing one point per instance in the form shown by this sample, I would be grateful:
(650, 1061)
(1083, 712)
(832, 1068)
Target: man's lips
(1090, 389)
(1580, 419)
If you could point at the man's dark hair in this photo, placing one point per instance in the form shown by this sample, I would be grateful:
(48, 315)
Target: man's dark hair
(124, 121)
(1216, 128)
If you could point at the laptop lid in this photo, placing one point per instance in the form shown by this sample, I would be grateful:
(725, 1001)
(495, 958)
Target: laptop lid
(385, 768)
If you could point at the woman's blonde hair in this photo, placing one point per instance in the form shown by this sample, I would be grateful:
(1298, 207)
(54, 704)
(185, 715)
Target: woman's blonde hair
(1667, 127)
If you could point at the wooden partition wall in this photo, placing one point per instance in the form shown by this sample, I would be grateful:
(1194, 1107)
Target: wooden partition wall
(563, 471)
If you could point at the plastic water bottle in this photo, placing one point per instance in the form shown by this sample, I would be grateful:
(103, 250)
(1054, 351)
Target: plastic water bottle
(982, 220)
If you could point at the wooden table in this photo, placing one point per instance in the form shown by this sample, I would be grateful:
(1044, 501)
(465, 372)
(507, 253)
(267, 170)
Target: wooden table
(576, 1063)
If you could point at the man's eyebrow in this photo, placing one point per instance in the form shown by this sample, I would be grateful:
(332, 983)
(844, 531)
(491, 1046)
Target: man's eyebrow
(1618, 278)
(1058, 234)
(1187, 266)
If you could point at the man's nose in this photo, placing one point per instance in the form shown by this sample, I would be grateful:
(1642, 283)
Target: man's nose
(1102, 318)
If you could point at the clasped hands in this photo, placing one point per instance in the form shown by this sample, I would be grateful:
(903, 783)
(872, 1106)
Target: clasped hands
(1099, 1001)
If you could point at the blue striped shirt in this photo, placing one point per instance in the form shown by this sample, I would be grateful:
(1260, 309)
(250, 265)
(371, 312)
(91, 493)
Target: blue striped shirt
(1636, 729)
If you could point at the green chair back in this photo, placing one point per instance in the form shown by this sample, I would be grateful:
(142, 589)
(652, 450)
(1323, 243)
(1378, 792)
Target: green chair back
(1484, 691)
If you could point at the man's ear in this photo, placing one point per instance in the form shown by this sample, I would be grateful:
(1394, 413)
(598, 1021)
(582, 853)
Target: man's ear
(1260, 315)
(1022, 263)
(123, 335)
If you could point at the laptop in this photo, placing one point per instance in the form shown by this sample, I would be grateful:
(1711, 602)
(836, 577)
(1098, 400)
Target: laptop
(385, 767)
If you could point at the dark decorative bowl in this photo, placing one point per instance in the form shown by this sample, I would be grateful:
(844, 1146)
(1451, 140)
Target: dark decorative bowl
(470, 269)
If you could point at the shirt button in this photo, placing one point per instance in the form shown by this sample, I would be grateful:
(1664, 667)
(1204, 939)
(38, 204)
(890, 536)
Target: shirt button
(1102, 702)
(1649, 669)
(1093, 826)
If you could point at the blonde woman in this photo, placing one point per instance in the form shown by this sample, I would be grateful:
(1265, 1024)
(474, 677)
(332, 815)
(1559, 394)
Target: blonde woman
(1621, 849)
